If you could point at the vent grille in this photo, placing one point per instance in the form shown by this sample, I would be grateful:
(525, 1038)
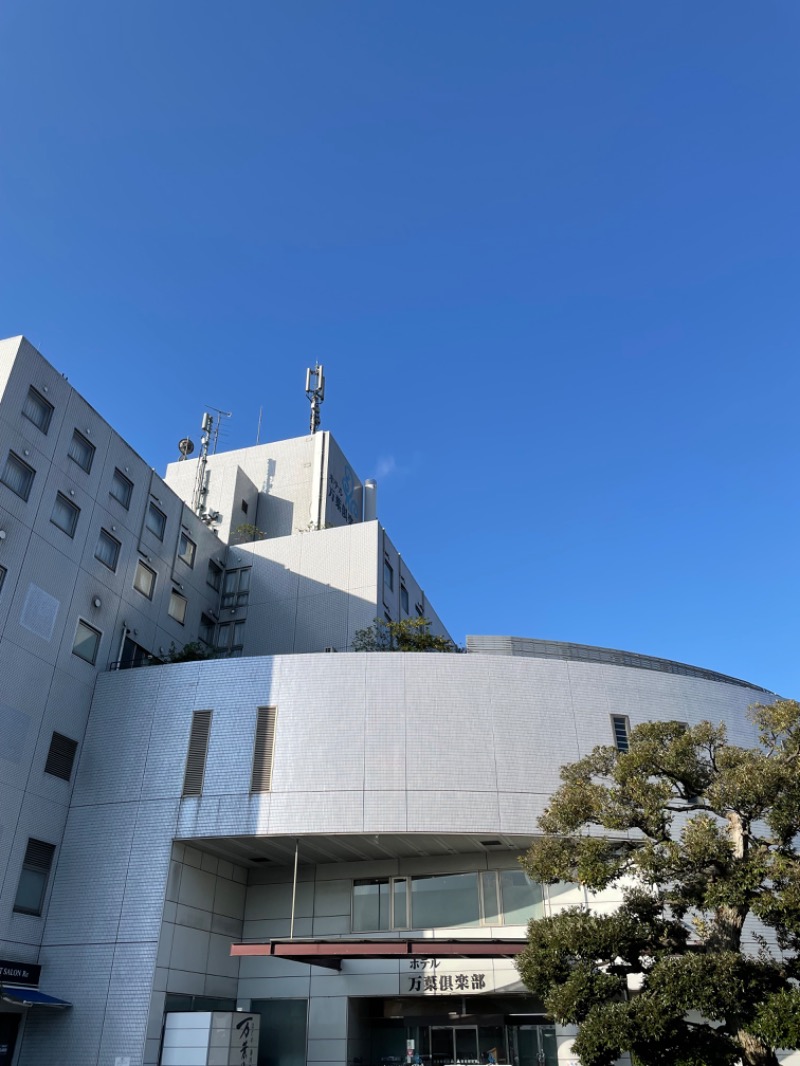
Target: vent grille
(619, 724)
(264, 747)
(196, 758)
(39, 856)
(61, 757)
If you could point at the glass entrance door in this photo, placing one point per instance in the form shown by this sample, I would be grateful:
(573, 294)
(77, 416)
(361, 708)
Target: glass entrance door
(454, 1044)
(533, 1045)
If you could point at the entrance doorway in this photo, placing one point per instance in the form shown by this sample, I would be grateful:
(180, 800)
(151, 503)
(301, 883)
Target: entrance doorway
(9, 1023)
(454, 1044)
(532, 1045)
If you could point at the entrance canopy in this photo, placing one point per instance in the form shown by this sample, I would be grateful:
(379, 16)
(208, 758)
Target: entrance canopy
(30, 997)
(331, 953)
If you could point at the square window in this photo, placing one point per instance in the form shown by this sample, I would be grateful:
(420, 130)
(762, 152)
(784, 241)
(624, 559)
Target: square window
(177, 607)
(207, 624)
(187, 550)
(65, 514)
(107, 550)
(18, 476)
(121, 488)
(236, 588)
(87, 642)
(214, 576)
(388, 575)
(37, 409)
(156, 520)
(33, 877)
(82, 451)
(144, 580)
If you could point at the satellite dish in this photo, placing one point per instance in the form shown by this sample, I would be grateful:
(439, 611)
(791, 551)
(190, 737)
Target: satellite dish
(185, 447)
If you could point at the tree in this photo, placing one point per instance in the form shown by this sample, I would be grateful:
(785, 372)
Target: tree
(700, 836)
(410, 634)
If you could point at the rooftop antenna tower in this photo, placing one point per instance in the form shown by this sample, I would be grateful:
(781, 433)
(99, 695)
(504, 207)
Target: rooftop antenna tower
(214, 432)
(315, 391)
(200, 484)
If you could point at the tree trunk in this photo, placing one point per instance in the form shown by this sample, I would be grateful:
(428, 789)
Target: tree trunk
(754, 1053)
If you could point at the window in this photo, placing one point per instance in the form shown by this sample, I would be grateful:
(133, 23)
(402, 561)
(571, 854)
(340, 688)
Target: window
(82, 451)
(207, 625)
(61, 756)
(493, 897)
(33, 878)
(620, 728)
(230, 638)
(3, 573)
(261, 780)
(236, 588)
(196, 756)
(214, 576)
(87, 642)
(404, 598)
(65, 515)
(244, 506)
(18, 476)
(187, 550)
(156, 521)
(388, 575)
(37, 410)
(121, 489)
(177, 606)
(144, 580)
(107, 550)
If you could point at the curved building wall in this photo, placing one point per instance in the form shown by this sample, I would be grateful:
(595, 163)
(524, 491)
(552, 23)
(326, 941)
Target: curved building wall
(383, 765)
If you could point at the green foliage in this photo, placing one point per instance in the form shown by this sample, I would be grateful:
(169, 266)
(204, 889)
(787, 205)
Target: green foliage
(698, 835)
(410, 634)
(247, 531)
(193, 652)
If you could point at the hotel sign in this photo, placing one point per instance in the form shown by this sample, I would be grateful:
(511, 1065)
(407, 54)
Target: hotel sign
(25, 974)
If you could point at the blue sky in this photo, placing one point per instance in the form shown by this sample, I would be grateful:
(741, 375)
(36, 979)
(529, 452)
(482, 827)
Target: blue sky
(548, 253)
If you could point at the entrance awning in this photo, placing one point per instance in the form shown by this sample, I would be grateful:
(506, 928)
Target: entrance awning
(31, 997)
(331, 953)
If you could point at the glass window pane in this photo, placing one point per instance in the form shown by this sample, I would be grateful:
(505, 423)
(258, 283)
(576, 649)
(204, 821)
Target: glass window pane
(107, 550)
(87, 641)
(491, 907)
(370, 905)
(82, 451)
(187, 550)
(38, 410)
(121, 488)
(400, 900)
(145, 580)
(156, 521)
(18, 476)
(522, 898)
(65, 515)
(30, 891)
(177, 607)
(445, 901)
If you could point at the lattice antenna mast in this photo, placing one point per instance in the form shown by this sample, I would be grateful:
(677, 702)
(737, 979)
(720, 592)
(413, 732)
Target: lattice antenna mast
(200, 485)
(315, 391)
(214, 432)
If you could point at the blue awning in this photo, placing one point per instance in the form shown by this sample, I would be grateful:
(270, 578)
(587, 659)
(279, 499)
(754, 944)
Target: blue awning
(31, 997)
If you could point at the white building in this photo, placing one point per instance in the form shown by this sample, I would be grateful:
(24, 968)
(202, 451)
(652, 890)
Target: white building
(323, 843)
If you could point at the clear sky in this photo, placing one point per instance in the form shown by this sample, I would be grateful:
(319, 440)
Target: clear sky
(548, 252)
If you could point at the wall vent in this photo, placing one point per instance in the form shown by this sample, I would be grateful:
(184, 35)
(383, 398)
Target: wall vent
(264, 747)
(196, 758)
(61, 756)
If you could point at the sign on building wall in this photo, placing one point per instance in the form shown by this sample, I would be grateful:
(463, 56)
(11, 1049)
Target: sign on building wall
(448, 977)
(24, 974)
(343, 492)
(197, 1038)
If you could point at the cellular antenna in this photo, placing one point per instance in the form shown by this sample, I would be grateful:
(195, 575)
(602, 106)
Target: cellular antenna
(315, 391)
